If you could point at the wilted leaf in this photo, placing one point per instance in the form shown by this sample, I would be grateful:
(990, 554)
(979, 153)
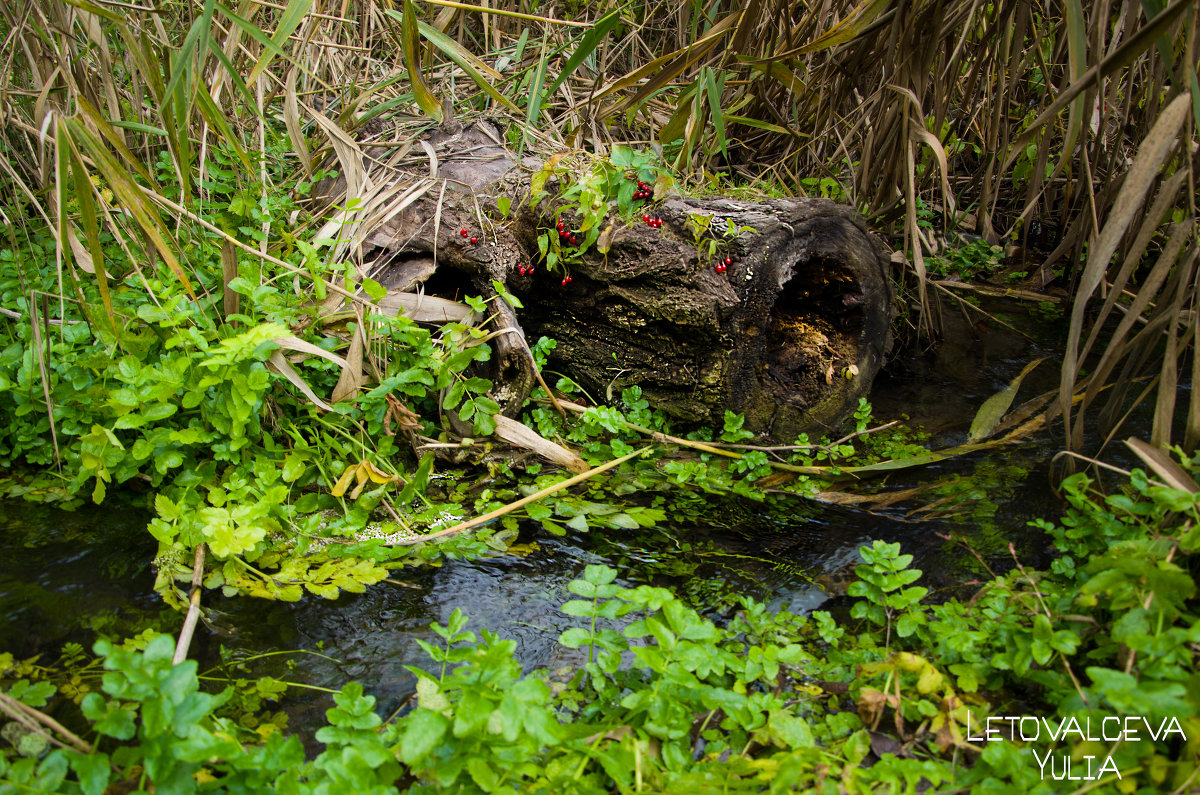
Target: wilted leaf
(994, 408)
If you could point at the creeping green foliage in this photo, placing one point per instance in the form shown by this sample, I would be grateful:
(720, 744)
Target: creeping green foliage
(666, 699)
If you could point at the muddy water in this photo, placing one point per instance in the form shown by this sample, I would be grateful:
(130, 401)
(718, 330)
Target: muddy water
(65, 577)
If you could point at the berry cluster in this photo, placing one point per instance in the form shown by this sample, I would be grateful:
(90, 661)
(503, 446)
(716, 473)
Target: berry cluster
(525, 270)
(724, 266)
(566, 235)
(644, 190)
(653, 223)
(465, 233)
(566, 280)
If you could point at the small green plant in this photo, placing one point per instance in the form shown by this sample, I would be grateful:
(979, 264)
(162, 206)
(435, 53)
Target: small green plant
(977, 259)
(711, 236)
(589, 189)
(882, 580)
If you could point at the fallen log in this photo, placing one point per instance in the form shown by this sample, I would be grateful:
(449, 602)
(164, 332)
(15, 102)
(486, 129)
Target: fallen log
(791, 332)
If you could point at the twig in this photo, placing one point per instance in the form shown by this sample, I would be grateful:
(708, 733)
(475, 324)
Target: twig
(705, 447)
(1012, 550)
(29, 717)
(968, 305)
(783, 448)
(193, 613)
(538, 374)
(512, 506)
(999, 292)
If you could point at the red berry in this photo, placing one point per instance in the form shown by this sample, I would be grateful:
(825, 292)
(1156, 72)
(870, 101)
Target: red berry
(564, 283)
(529, 270)
(729, 260)
(646, 218)
(465, 233)
(570, 279)
(474, 240)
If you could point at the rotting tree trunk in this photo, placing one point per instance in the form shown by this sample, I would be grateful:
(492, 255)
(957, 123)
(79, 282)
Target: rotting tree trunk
(792, 334)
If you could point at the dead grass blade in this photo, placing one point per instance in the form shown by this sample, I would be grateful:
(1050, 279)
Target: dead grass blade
(291, 120)
(231, 299)
(1163, 465)
(352, 378)
(517, 434)
(281, 365)
(410, 46)
(1137, 183)
(988, 418)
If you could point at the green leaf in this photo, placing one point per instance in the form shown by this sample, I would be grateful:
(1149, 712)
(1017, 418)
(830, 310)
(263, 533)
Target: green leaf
(791, 730)
(574, 637)
(587, 45)
(578, 607)
(374, 289)
(483, 773)
(92, 771)
(423, 731)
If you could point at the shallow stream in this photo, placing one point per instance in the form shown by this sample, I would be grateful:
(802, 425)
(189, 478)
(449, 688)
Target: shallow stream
(66, 576)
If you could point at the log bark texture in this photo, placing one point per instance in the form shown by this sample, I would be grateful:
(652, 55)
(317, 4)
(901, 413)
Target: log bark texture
(792, 333)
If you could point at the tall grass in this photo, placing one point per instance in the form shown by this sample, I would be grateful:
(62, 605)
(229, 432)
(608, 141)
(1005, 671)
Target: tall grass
(1074, 114)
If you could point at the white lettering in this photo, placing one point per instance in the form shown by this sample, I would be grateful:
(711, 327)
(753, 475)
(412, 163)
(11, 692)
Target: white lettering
(1053, 734)
(971, 739)
(1131, 729)
(1109, 766)
(1175, 728)
(1041, 762)
(1104, 727)
(1035, 734)
(1073, 728)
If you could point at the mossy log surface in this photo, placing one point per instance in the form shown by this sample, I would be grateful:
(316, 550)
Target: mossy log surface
(791, 334)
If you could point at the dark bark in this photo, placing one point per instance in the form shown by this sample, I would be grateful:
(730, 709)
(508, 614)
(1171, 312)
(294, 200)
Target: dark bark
(804, 304)
(792, 334)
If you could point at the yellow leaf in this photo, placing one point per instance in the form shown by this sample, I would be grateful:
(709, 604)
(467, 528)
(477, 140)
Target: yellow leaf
(339, 488)
(364, 477)
(376, 474)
